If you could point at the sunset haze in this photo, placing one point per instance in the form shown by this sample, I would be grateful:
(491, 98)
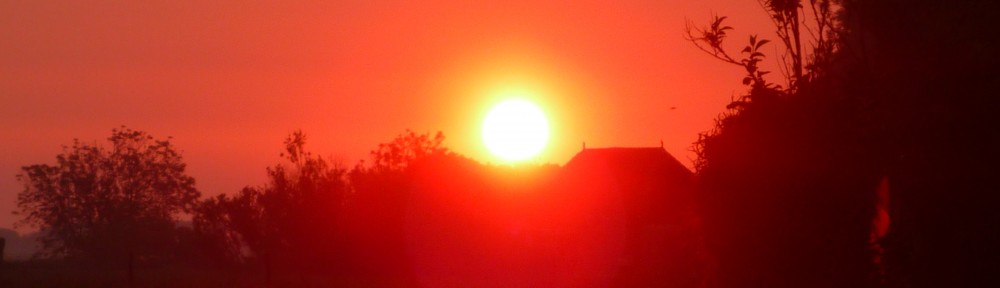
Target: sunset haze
(228, 79)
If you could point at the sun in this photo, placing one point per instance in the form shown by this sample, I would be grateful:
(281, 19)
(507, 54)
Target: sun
(515, 130)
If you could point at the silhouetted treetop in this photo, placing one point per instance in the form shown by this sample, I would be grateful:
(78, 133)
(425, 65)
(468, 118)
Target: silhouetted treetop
(404, 149)
(798, 64)
(94, 197)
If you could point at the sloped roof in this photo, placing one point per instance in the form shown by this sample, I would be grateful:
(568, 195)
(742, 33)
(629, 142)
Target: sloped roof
(630, 158)
(650, 181)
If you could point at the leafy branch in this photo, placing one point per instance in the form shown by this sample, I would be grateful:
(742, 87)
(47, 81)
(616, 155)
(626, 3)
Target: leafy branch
(710, 40)
(787, 16)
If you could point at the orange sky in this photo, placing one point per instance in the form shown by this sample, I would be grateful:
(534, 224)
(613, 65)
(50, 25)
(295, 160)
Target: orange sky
(228, 80)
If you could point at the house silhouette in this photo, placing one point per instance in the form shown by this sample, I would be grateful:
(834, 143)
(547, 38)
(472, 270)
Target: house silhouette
(610, 217)
(648, 192)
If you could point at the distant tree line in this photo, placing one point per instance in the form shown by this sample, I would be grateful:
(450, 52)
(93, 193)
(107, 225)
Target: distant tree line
(121, 204)
(413, 214)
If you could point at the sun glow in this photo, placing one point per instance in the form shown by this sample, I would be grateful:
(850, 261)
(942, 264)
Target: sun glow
(515, 130)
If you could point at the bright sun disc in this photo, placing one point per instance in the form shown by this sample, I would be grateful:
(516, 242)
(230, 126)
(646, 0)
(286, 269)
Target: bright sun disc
(515, 130)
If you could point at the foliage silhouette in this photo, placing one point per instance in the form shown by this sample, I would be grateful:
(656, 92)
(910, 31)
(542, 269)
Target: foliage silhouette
(420, 215)
(216, 239)
(314, 216)
(794, 179)
(406, 148)
(786, 185)
(293, 221)
(108, 204)
(381, 190)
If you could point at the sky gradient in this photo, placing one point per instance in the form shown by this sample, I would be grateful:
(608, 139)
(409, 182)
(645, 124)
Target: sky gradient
(229, 80)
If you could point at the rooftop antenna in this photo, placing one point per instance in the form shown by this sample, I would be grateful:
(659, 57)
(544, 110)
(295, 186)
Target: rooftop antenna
(583, 146)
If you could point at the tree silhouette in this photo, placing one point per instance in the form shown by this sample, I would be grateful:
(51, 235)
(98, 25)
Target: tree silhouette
(381, 191)
(216, 236)
(292, 220)
(904, 97)
(787, 178)
(313, 216)
(407, 147)
(108, 203)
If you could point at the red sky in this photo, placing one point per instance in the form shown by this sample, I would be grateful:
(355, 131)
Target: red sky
(228, 79)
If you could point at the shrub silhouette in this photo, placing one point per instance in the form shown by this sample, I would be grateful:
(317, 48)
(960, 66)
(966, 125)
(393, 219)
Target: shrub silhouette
(786, 185)
(903, 96)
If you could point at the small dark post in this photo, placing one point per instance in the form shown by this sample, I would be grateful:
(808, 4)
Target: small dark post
(3, 242)
(131, 269)
(267, 269)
